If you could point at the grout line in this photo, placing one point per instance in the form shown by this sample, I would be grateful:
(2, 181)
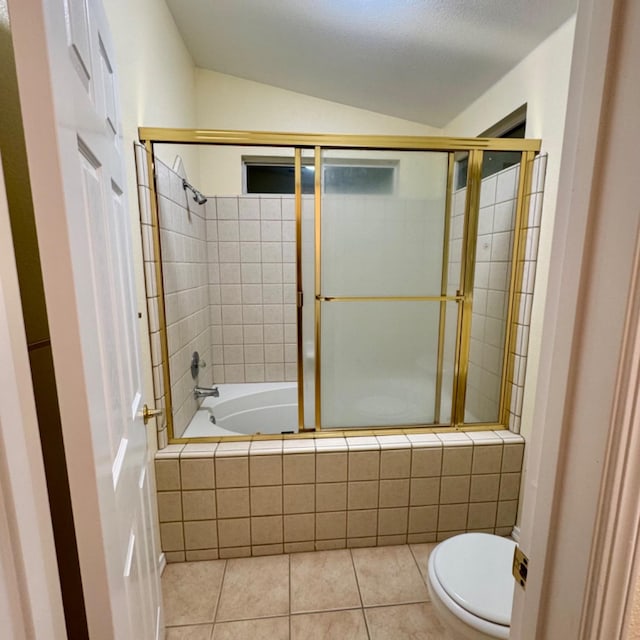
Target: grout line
(217, 605)
(289, 617)
(249, 485)
(424, 580)
(501, 477)
(355, 571)
(184, 535)
(263, 617)
(191, 625)
(282, 517)
(385, 605)
(366, 623)
(473, 453)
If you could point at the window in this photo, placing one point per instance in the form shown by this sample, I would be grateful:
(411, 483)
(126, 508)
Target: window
(352, 179)
(276, 178)
(276, 175)
(513, 126)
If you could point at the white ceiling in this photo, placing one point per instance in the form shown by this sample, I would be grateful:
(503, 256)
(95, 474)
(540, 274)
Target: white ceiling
(423, 60)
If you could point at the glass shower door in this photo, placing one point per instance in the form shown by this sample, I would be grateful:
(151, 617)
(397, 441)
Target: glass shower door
(381, 302)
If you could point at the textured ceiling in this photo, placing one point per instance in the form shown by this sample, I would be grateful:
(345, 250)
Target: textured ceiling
(423, 60)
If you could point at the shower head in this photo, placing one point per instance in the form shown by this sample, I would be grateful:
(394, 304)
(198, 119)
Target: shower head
(197, 196)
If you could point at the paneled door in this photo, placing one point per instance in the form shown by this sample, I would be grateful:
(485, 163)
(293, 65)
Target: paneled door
(68, 91)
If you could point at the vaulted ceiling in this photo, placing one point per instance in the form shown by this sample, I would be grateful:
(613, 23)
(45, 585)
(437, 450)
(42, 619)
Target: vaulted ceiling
(423, 60)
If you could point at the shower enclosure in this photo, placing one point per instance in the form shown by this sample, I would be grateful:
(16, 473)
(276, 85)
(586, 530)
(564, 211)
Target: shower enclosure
(381, 275)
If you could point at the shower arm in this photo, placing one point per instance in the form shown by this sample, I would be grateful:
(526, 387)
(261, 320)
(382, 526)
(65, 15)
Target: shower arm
(197, 195)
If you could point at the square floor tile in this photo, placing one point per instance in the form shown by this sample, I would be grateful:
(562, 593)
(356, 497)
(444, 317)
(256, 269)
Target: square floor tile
(332, 625)
(407, 622)
(323, 581)
(190, 591)
(261, 629)
(254, 588)
(388, 575)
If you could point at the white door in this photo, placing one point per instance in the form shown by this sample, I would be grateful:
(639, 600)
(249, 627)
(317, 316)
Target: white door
(68, 90)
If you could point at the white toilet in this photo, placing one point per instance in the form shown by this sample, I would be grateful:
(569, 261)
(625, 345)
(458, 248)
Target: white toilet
(471, 585)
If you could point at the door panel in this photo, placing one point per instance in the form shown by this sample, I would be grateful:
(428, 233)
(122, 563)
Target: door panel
(387, 243)
(108, 89)
(379, 363)
(383, 239)
(77, 22)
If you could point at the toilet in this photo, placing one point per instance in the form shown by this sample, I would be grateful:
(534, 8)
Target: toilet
(471, 586)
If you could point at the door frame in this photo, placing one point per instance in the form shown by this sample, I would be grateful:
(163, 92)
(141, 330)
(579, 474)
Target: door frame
(562, 442)
(30, 595)
(580, 511)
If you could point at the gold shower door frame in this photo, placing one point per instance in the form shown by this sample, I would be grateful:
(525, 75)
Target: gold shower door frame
(464, 296)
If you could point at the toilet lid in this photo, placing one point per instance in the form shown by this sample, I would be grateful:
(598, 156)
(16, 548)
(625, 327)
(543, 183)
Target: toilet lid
(475, 571)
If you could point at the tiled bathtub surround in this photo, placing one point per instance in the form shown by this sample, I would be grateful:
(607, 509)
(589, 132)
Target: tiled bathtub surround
(261, 497)
(186, 291)
(229, 273)
(250, 251)
(186, 294)
(252, 276)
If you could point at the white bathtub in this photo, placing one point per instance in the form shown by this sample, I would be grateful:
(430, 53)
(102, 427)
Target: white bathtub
(246, 409)
(272, 407)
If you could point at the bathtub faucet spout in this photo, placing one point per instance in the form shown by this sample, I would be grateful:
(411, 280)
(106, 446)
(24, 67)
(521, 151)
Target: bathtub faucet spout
(205, 392)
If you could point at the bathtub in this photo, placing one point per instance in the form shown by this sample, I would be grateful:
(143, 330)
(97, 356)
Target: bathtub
(246, 409)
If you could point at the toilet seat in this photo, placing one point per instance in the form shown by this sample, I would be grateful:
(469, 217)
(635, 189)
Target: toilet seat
(471, 575)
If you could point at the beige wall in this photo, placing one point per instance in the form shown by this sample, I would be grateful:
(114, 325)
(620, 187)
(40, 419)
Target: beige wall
(541, 81)
(155, 70)
(227, 102)
(156, 88)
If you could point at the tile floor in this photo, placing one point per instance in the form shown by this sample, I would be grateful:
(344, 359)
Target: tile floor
(376, 593)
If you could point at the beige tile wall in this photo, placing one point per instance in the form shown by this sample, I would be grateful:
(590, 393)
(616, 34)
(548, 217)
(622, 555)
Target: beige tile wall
(186, 286)
(496, 220)
(252, 277)
(266, 497)
(490, 294)
(186, 291)
(525, 291)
